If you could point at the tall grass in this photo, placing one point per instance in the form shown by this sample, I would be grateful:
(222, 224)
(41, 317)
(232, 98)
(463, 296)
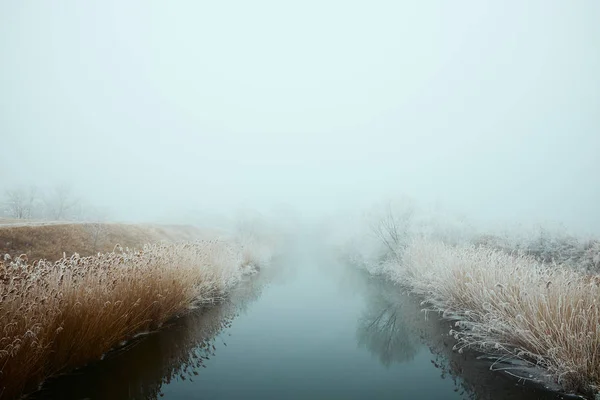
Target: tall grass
(511, 305)
(140, 371)
(58, 315)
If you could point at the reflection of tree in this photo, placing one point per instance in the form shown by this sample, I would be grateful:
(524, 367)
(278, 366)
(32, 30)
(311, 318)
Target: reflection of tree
(384, 331)
(177, 352)
(393, 327)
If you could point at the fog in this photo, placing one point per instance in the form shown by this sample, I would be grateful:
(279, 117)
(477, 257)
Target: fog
(158, 110)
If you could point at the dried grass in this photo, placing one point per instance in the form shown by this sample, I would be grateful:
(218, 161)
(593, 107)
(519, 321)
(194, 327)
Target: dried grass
(52, 240)
(58, 315)
(511, 305)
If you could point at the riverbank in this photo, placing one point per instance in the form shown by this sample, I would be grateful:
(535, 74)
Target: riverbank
(511, 306)
(179, 351)
(530, 301)
(62, 314)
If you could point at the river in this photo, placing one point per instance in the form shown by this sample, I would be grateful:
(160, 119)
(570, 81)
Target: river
(312, 328)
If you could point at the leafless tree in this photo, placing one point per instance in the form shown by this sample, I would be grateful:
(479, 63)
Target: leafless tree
(392, 228)
(61, 202)
(20, 203)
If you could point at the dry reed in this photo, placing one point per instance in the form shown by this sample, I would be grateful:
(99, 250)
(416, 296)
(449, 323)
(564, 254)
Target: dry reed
(511, 305)
(58, 315)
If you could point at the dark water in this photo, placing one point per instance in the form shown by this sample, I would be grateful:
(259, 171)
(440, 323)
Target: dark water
(317, 330)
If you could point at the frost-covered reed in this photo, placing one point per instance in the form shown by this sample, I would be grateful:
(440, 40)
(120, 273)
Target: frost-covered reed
(533, 297)
(58, 315)
(511, 305)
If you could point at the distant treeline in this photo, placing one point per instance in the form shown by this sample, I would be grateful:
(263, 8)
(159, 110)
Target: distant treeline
(57, 203)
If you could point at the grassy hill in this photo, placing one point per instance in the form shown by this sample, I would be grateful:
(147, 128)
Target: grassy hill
(50, 240)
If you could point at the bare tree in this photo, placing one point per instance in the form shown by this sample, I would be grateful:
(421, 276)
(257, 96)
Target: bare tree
(61, 203)
(15, 203)
(20, 203)
(392, 228)
(32, 200)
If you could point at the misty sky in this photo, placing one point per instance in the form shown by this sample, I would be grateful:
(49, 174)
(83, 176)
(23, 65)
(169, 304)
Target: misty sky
(164, 107)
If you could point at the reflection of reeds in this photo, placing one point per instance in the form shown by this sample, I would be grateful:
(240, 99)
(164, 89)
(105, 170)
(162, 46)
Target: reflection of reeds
(56, 316)
(177, 352)
(512, 305)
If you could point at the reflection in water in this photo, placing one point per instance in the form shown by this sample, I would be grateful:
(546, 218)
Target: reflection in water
(382, 330)
(393, 326)
(278, 353)
(139, 370)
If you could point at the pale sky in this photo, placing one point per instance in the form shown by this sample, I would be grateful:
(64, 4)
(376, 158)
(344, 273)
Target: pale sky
(155, 108)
